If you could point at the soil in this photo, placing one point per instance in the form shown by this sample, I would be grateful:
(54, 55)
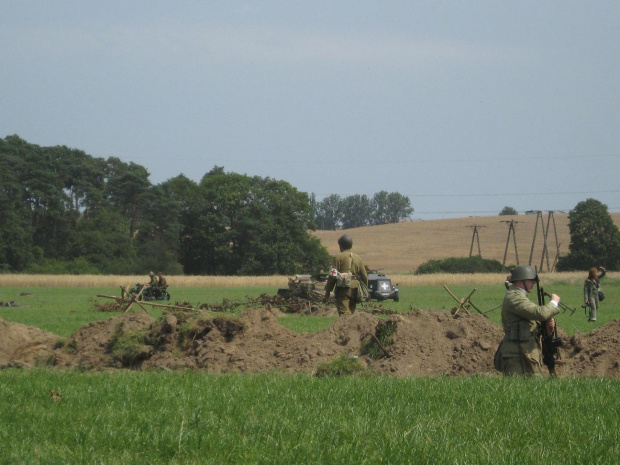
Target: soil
(424, 343)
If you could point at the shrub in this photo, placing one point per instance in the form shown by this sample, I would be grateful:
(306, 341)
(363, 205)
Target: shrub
(475, 264)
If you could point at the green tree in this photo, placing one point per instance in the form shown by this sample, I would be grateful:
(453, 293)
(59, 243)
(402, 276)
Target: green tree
(389, 208)
(126, 189)
(248, 225)
(508, 211)
(158, 239)
(595, 239)
(356, 211)
(103, 241)
(328, 213)
(15, 227)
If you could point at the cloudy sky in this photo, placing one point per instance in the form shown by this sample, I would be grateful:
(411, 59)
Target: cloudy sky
(463, 106)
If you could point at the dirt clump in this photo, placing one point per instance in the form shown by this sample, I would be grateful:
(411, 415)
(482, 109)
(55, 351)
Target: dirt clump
(24, 346)
(419, 343)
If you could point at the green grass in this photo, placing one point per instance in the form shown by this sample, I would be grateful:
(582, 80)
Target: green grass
(189, 418)
(63, 311)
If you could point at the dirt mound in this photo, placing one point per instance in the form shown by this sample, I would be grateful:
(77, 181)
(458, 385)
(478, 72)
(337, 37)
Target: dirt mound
(420, 343)
(24, 346)
(595, 354)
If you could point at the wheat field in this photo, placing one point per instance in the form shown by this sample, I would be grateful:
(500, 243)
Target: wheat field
(402, 247)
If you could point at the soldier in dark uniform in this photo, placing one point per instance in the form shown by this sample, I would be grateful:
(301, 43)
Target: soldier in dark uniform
(520, 353)
(346, 273)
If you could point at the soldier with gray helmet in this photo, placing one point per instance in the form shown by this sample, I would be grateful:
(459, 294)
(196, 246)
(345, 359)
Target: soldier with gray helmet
(152, 280)
(346, 273)
(520, 352)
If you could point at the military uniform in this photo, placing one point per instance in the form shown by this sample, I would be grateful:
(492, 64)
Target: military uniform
(346, 297)
(520, 353)
(590, 294)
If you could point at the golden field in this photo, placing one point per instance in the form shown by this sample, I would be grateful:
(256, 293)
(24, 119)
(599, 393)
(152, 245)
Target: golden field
(401, 248)
(402, 279)
(396, 249)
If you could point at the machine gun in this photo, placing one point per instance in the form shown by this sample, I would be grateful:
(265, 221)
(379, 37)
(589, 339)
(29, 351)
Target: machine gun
(551, 343)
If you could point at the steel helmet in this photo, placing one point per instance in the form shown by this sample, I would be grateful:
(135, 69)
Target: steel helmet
(345, 242)
(522, 272)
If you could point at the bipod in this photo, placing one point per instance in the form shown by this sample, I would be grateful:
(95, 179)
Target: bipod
(463, 303)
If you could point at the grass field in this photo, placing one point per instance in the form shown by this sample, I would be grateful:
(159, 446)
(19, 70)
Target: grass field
(192, 417)
(195, 418)
(63, 310)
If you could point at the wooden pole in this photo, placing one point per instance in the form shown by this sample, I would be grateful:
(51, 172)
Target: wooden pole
(538, 214)
(376, 339)
(134, 299)
(149, 303)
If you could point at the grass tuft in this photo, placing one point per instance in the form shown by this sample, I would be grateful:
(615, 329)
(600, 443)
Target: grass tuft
(344, 365)
(128, 349)
(384, 333)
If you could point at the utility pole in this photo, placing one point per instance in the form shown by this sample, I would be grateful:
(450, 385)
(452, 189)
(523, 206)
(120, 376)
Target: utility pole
(511, 229)
(477, 237)
(545, 254)
(538, 217)
(545, 231)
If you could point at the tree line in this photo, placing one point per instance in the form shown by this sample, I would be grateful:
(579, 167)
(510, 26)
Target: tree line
(335, 212)
(64, 211)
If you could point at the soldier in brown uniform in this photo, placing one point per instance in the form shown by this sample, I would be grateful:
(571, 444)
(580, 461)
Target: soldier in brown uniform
(346, 273)
(520, 353)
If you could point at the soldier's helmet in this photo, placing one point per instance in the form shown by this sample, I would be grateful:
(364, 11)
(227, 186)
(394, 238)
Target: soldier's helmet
(151, 273)
(522, 272)
(345, 242)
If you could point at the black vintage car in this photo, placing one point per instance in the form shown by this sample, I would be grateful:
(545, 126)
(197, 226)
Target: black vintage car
(380, 287)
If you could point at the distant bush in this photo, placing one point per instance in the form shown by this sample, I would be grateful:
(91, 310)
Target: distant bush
(508, 211)
(475, 264)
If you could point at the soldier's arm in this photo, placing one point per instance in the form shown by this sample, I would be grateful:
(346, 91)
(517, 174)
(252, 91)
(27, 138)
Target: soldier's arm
(526, 309)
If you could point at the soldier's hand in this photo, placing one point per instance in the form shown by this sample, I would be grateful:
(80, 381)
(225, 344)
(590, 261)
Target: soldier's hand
(550, 323)
(555, 298)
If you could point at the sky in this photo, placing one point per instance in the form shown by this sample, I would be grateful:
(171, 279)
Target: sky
(465, 107)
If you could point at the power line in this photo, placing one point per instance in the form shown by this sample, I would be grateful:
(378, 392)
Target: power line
(502, 194)
(513, 195)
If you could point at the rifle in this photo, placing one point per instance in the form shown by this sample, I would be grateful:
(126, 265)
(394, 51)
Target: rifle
(550, 341)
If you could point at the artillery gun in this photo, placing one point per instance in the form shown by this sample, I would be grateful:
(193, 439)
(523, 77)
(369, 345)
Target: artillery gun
(307, 286)
(145, 292)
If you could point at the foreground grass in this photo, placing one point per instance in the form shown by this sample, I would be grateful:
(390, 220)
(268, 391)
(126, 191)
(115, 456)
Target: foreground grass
(190, 417)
